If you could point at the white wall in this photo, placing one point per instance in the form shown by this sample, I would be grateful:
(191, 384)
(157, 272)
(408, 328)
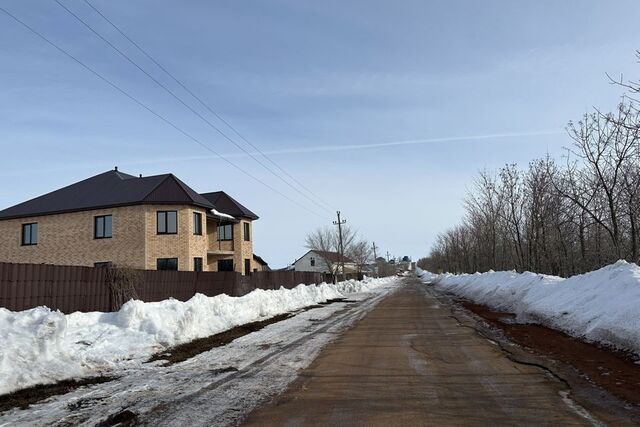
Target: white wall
(304, 264)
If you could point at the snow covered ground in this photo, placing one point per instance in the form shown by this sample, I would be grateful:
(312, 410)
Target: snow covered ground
(601, 306)
(218, 387)
(44, 346)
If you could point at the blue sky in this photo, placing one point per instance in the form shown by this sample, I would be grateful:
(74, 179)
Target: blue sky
(322, 87)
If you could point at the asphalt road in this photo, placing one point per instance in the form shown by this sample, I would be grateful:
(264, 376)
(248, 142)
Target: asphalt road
(409, 362)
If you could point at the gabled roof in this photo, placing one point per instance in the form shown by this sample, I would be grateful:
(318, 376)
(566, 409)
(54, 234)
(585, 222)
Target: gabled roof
(259, 260)
(227, 204)
(109, 189)
(327, 256)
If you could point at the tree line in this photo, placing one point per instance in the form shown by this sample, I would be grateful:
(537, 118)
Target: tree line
(560, 218)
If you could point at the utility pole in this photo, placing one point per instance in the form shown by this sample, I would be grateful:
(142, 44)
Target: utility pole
(375, 259)
(339, 224)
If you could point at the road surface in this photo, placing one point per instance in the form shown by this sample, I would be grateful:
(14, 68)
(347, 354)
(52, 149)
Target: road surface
(410, 362)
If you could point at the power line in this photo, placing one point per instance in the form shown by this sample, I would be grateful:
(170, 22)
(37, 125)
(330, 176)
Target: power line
(149, 109)
(203, 103)
(179, 99)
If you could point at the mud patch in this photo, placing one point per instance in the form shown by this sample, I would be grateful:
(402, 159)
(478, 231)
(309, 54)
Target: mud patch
(121, 419)
(186, 351)
(28, 396)
(335, 300)
(223, 370)
(614, 371)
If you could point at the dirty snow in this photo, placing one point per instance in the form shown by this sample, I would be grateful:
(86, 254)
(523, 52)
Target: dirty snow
(44, 346)
(218, 387)
(601, 306)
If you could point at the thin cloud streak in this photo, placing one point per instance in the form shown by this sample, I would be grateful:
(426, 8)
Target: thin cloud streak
(312, 149)
(409, 142)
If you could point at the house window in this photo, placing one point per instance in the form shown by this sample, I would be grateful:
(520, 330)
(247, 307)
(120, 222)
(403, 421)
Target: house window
(103, 264)
(102, 227)
(225, 232)
(247, 266)
(247, 235)
(167, 264)
(197, 264)
(30, 234)
(313, 262)
(197, 223)
(167, 222)
(225, 265)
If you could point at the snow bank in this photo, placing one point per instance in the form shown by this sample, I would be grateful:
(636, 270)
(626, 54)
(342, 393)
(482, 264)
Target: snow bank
(43, 346)
(601, 306)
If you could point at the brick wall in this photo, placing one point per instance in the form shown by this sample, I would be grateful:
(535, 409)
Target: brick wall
(184, 245)
(68, 239)
(244, 249)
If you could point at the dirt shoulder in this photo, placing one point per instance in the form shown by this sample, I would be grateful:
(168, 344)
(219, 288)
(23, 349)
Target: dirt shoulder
(603, 381)
(615, 371)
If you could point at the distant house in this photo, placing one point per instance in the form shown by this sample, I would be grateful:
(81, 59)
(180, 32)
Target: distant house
(154, 222)
(324, 262)
(260, 264)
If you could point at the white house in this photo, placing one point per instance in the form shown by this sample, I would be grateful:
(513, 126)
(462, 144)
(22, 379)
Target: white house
(322, 262)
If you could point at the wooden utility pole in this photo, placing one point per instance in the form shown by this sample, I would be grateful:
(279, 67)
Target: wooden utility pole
(375, 259)
(339, 224)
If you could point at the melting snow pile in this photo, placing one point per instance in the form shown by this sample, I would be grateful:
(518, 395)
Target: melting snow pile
(44, 346)
(602, 305)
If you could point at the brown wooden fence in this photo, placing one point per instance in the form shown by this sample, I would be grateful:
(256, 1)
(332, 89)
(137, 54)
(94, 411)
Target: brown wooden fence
(70, 288)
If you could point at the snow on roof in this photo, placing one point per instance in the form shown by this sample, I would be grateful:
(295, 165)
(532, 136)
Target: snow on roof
(221, 214)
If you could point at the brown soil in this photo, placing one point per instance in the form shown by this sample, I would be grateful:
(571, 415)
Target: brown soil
(615, 371)
(185, 351)
(25, 397)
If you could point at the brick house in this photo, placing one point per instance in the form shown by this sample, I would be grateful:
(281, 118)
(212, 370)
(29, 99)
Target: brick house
(154, 222)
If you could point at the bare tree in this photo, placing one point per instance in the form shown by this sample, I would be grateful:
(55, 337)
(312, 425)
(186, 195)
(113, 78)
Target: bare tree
(325, 241)
(361, 253)
(604, 145)
(556, 219)
(632, 86)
